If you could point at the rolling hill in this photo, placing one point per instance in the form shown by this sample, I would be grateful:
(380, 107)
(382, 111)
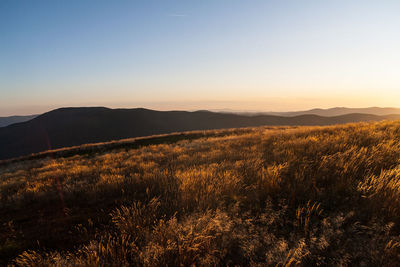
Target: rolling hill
(75, 126)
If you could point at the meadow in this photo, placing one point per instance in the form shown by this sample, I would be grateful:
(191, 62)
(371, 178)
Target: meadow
(265, 196)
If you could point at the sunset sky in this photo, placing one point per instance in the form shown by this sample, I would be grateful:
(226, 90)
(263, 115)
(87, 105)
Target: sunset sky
(241, 55)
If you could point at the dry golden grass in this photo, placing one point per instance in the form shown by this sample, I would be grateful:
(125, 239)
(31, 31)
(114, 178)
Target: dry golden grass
(256, 196)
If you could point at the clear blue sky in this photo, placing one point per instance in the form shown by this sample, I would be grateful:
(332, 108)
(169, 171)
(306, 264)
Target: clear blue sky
(248, 55)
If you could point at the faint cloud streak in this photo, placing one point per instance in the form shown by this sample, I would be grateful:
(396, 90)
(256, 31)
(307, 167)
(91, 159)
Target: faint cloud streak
(177, 15)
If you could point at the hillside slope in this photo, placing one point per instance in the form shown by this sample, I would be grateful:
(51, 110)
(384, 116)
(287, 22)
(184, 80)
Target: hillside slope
(75, 126)
(264, 196)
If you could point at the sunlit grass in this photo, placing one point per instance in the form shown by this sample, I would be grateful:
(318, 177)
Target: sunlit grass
(255, 196)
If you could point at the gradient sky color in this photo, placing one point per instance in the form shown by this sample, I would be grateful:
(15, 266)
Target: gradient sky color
(208, 54)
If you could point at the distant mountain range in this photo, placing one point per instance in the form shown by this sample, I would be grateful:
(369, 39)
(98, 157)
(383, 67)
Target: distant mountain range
(5, 121)
(338, 111)
(75, 126)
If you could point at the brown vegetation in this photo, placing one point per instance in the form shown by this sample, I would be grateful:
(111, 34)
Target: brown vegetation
(255, 196)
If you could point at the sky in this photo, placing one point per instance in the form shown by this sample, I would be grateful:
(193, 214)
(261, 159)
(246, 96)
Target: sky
(202, 54)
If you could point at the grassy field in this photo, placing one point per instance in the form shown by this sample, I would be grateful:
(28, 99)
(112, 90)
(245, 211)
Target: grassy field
(275, 196)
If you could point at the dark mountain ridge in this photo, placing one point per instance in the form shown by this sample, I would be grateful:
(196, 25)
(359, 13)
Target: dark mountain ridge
(66, 127)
